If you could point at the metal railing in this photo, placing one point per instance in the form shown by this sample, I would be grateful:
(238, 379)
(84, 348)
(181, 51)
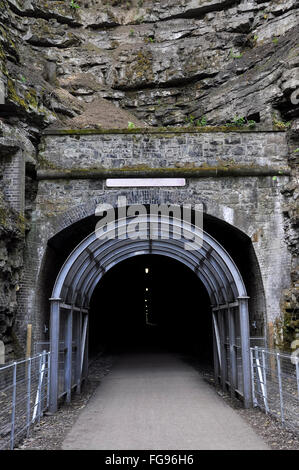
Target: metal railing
(275, 384)
(45, 346)
(24, 396)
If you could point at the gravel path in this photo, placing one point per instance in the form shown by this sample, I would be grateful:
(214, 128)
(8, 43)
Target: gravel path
(53, 429)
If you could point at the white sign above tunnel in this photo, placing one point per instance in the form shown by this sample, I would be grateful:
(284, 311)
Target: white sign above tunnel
(144, 182)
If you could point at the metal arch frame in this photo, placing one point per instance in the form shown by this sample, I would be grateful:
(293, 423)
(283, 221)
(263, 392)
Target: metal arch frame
(89, 240)
(132, 247)
(80, 274)
(230, 267)
(93, 282)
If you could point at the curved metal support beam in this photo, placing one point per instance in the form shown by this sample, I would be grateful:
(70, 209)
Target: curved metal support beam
(88, 262)
(71, 261)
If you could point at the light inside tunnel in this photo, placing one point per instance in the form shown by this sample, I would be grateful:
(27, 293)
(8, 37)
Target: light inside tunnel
(174, 316)
(103, 283)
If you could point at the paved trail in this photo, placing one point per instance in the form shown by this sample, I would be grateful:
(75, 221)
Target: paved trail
(157, 401)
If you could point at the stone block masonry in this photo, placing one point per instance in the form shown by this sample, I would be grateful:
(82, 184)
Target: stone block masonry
(153, 149)
(71, 173)
(14, 181)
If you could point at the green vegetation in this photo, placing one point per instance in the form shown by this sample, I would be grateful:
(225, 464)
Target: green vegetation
(239, 121)
(251, 123)
(202, 121)
(286, 328)
(149, 39)
(279, 124)
(74, 5)
(275, 40)
(235, 56)
(190, 120)
(131, 125)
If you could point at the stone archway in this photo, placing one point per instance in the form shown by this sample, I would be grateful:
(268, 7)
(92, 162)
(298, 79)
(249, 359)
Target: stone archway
(85, 266)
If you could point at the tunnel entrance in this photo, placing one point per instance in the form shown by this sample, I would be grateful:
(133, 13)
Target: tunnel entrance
(203, 286)
(160, 305)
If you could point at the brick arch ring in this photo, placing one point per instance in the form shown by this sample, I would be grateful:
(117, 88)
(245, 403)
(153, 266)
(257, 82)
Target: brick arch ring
(149, 196)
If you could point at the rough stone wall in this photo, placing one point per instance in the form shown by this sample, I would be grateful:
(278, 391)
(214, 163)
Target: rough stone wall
(164, 149)
(13, 148)
(167, 63)
(163, 61)
(288, 323)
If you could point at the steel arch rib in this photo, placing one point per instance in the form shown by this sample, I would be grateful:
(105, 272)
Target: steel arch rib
(223, 266)
(133, 245)
(137, 247)
(164, 252)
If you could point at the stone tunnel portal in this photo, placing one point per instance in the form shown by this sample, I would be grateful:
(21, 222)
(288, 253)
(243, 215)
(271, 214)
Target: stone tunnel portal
(217, 284)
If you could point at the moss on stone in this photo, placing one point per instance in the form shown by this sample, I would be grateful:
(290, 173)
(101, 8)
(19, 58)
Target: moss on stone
(285, 328)
(143, 170)
(13, 96)
(21, 223)
(31, 98)
(3, 217)
(168, 132)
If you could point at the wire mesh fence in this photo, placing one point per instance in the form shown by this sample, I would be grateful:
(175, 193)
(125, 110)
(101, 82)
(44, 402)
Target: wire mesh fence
(275, 384)
(40, 346)
(24, 396)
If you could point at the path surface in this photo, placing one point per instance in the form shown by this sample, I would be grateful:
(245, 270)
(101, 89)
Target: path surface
(157, 401)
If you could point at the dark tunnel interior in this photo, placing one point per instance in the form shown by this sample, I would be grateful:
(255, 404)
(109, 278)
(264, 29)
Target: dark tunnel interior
(178, 304)
(151, 303)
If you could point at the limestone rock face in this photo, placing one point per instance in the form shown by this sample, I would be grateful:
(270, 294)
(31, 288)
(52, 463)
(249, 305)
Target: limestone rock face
(161, 61)
(12, 237)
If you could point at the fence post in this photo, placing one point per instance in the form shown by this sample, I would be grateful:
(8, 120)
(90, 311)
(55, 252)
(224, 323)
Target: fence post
(297, 374)
(28, 341)
(258, 377)
(245, 346)
(48, 378)
(40, 386)
(42, 368)
(13, 410)
(280, 385)
(68, 355)
(232, 350)
(252, 377)
(28, 394)
(36, 409)
(265, 381)
(54, 348)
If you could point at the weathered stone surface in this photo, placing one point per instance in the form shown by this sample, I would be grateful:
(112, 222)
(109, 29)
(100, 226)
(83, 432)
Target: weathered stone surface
(166, 150)
(180, 59)
(40, 34)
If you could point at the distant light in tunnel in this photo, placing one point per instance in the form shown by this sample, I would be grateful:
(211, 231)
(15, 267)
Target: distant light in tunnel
(146, 270)
(146, 288)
